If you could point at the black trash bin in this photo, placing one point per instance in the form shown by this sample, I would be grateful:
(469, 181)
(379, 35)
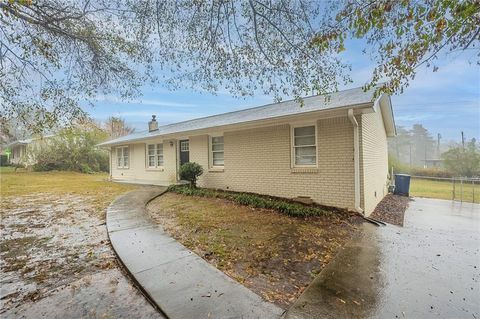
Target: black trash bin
(402, 184)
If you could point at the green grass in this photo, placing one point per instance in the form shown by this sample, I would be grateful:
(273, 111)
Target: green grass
(443, 190)
(6, 169)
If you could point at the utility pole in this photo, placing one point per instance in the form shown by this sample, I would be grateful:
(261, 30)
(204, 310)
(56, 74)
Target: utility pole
(463, 141)
(425, 157)
(438, 144)
(410, 154)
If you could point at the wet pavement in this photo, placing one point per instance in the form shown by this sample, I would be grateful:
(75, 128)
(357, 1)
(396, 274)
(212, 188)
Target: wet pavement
(56, 262)
(430, 268)
(105, 294)
(179, 282)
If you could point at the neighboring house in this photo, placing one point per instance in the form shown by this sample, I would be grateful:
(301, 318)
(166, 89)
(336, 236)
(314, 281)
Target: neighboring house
(433, 163)
(21, 151)
(333, 150)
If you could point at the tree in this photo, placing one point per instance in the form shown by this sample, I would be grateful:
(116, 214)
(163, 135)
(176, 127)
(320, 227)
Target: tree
(60, 55)
(399, 146)
(423, 145)
(73, 149)
(412, 146)
(403, 35)
(56, 56)
(463, 162)
(12, 130)
(116, 127)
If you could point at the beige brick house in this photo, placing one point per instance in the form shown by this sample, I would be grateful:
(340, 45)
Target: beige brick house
(332, 149)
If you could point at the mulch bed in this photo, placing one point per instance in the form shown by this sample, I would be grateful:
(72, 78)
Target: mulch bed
(391, 209)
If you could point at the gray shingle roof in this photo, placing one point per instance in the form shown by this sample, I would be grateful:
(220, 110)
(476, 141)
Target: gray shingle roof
(347, 98)
(27, 141)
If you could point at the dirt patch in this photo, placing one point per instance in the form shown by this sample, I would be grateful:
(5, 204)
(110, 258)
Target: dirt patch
(391, 209)
(274, 255)
(56, 260)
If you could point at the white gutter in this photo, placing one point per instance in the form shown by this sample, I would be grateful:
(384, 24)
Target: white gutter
(356, 159)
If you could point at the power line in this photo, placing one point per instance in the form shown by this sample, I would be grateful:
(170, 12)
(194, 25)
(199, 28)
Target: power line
(436, 103)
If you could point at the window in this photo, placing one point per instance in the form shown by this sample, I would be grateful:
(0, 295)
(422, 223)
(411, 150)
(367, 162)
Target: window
(122, 157)
(154, 155)
(217, 151)
(184, 146)
(305, 146)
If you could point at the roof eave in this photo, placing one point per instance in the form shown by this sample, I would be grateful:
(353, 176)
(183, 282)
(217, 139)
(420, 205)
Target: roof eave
(367, 106)
(384, 102)
(15, 144)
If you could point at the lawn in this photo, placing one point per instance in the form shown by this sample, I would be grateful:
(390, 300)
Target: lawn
(55, 257)
(443, 190)
(6, 169)
(271, 253)
(96, 185)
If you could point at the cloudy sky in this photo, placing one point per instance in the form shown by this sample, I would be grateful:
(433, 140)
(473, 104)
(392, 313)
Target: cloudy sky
(445, 102)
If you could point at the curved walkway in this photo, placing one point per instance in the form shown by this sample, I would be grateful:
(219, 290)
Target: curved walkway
(178, 281)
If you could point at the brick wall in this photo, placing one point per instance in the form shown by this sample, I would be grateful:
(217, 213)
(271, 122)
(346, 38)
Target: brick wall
(138, 166)
(199, 153)
(259, 161)
(373, 160)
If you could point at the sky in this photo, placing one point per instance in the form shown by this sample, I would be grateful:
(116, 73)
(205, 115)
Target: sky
(445, 102)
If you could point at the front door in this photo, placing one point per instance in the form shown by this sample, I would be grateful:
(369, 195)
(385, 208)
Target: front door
(184, 151)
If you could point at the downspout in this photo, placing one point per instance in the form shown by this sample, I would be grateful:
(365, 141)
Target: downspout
(356, 159)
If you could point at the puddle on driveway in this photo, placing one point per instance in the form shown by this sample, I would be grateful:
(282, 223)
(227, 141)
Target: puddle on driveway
(56, 261)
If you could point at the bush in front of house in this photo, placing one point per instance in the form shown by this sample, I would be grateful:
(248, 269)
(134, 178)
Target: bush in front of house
(254, 200)
(191, 171)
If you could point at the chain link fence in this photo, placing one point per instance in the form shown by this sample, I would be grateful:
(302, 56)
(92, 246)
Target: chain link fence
(460, 189)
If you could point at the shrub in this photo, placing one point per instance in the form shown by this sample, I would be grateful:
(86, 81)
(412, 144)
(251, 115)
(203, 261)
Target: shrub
(190, 172)
(401, 168)
(84, 168)
(254, 200)
(430, 172)
(463, 160)
(73, 149)
(4, 160)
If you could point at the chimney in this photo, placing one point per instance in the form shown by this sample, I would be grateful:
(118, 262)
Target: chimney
(153, 124)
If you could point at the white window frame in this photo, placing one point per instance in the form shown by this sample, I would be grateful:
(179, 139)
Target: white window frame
(187, 143)
(211, 151)
(122, 156)
(156, 154)
(292, 144)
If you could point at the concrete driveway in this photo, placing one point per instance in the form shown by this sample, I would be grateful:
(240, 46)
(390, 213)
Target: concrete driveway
(430, 268)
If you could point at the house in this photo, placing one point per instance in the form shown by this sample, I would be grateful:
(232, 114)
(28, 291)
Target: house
(333, 149)
(20, 152)
(433, 163)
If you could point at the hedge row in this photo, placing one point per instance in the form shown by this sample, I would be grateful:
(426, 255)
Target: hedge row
(430, 172)
(252, 200)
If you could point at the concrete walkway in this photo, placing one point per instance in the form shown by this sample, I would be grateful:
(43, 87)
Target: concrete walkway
(428, 269)
(178, 281)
